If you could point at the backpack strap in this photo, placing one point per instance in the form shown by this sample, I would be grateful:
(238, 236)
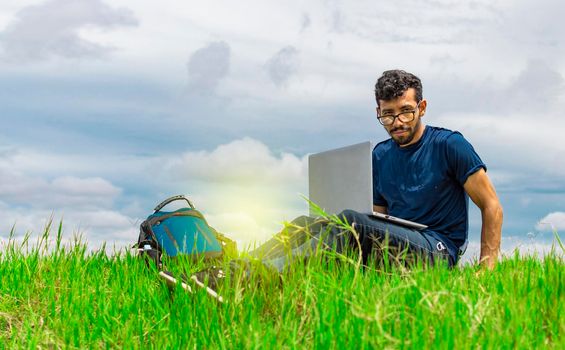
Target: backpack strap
(172, 199)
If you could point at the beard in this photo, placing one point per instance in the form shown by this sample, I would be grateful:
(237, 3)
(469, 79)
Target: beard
(406, 138)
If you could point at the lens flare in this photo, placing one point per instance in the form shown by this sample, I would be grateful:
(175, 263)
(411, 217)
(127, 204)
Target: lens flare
(251, 214)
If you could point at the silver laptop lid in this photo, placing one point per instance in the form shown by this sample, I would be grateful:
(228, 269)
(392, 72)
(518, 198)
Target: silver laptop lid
(342, 179)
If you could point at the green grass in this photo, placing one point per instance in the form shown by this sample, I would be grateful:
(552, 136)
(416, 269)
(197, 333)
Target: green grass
(64, 297)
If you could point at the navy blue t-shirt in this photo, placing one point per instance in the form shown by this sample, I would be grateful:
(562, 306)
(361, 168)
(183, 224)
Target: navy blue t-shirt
(423, 182)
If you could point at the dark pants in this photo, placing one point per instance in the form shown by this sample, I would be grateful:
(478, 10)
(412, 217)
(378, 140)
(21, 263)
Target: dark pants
(376, 239)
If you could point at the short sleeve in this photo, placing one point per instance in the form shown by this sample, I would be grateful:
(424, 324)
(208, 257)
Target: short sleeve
(462, 158)
(378, 198)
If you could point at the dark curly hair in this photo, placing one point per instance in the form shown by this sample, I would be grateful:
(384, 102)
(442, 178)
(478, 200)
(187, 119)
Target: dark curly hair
(393, 83)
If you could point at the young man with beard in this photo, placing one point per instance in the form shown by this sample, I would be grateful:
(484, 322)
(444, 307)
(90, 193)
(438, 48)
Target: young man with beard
(426, 174)
(423, 174)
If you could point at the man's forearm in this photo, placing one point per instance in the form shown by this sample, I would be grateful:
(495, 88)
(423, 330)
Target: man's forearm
(490, 235)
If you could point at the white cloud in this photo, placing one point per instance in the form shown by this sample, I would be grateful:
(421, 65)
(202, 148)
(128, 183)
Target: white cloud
(52, 29)
(510, 244)
(61, 192)
(241, 161)
(89, 186)
(84, 204)
(552, 221)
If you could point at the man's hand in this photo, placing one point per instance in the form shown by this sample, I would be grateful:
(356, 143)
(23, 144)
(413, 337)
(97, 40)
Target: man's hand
(482, 193)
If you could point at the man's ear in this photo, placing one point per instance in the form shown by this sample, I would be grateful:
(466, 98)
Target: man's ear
(423, 105)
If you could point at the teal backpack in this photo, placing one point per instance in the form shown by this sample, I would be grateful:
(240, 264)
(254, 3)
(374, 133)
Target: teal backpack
(181, 232)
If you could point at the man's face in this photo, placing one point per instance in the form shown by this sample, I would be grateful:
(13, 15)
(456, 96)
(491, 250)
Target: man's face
(404, 133)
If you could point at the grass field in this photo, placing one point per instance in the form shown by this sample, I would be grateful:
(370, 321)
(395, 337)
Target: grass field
(64, 297)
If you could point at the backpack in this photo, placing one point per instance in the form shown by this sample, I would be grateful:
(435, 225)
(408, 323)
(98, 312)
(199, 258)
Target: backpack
(181, 232)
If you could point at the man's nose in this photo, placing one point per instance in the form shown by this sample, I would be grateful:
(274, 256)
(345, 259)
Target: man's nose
(397, 122)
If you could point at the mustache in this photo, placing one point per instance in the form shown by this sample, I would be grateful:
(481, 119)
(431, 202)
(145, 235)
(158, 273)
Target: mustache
(400, 128)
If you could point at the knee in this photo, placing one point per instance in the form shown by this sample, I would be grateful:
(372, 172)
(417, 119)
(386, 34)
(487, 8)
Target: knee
(349, 215)
(301, 220)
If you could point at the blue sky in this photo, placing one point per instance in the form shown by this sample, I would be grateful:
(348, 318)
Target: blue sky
(110, 107)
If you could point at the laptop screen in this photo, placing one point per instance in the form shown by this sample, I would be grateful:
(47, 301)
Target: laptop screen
(342, 179)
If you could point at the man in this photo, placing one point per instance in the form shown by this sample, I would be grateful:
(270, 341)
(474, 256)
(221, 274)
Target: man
(423, 174)
(426, 174)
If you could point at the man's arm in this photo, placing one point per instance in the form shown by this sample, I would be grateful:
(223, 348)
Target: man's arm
(380, 209)
(482, 193)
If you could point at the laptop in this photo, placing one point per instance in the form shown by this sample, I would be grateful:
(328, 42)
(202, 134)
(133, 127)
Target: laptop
(341, 179)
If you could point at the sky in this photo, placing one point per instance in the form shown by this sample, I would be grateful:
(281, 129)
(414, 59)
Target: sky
(110, 107)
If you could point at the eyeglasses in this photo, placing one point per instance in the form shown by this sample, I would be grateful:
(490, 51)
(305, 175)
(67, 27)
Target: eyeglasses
(405, 116)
